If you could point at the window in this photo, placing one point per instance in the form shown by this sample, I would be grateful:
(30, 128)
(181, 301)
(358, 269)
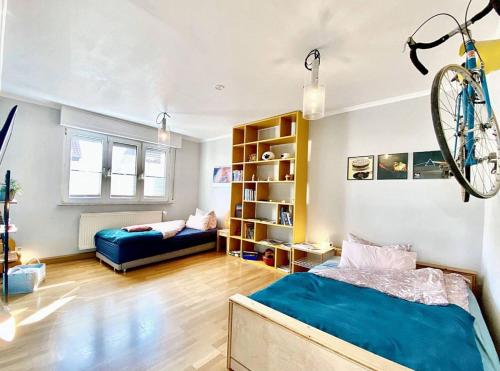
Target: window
(155, 173)
(123, 170)
(103, 169)
(85, 166)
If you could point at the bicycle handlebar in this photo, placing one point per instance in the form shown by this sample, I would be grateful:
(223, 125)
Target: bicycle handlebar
(493, 4)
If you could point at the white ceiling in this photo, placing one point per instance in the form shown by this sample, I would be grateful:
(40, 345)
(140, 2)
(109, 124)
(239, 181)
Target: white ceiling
(134, 58)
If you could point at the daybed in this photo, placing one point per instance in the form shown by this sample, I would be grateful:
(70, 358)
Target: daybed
(123, 250)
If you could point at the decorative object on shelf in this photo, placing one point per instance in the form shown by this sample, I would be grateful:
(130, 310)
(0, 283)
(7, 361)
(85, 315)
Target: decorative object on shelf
(253, 177)
(392, 166)
(164, 133)
(286, 155)
(269, 178)
(266, 156)
(288, 177)
(221, 175)
(268, 257)
(360, 168)
(430, 165)
(252, 157)
(15, 188)
(313, 104)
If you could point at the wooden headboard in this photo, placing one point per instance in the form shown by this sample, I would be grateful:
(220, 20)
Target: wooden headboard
(469, 275)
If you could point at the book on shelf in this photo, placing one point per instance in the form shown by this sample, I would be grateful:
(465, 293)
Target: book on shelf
(249, 231)
(249, 194)
(237, 175)
(238, 212)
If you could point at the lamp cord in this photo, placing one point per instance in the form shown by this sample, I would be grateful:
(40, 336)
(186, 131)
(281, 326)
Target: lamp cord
(315, 53)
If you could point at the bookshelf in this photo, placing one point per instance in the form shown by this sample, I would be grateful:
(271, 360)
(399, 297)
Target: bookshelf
(268, 197)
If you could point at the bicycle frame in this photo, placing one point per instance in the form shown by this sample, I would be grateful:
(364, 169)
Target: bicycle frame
(467, 103)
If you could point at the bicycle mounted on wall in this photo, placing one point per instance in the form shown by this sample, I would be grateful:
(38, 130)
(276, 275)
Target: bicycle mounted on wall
(462, 114)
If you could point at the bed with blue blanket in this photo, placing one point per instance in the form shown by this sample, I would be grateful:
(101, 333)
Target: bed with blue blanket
(414, 335)
(123, 250)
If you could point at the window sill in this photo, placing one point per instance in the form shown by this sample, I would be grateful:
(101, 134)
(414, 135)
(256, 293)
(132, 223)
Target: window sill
(112, 203)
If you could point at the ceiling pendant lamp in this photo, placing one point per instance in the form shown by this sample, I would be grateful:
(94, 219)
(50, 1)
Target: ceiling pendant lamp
(313, 105)
(164, 133)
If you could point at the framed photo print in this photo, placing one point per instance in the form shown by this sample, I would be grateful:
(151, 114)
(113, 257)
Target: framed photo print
(430, 165)
(221, 175)
(392, 166)
(360, 168)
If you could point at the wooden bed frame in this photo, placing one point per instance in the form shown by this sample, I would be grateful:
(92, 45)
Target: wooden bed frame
(261, 338)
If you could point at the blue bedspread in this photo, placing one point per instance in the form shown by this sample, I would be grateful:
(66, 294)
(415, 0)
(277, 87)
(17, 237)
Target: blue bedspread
(419, 336)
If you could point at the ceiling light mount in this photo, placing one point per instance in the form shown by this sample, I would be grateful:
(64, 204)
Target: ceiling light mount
(313, 104)
(219, 87)
(164, 132)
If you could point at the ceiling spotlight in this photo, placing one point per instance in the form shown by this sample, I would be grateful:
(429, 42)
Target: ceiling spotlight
(313, 104)
(219, 87)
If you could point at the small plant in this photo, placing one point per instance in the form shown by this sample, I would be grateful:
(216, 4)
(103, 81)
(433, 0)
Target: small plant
(15, 188)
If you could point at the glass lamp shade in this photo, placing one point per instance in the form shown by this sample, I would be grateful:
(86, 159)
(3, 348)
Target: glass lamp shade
(163, 136)
(313, 105)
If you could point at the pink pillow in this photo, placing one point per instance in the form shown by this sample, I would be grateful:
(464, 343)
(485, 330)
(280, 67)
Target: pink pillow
(398, 246)
(212, 223)
(198, 222)
(137, 228)
(360, 256)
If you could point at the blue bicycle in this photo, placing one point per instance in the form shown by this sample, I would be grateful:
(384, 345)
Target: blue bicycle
(463, 118)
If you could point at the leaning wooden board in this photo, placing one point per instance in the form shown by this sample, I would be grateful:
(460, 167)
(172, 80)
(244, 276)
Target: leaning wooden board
(261, 338)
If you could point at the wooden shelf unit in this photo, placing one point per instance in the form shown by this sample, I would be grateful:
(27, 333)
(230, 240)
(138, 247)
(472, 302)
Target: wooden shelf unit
(273, 189)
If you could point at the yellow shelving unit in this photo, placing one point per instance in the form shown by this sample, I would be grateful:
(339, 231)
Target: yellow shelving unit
(262, 189)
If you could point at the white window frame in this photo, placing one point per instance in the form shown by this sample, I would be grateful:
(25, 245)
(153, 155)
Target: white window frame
(105, 197)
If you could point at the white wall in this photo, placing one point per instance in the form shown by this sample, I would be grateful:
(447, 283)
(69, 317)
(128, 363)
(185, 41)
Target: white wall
(214, 153)
(427, 213)
(34, 156)
(491, 240)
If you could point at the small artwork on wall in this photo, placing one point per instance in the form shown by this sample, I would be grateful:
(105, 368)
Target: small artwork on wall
(430, 165)
(221, 175)
(392, 166)
(360, 168)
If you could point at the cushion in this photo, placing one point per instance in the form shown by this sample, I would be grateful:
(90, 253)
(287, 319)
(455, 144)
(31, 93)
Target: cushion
(361, 256)
(398, 246)
(199, 222)
(212, 223)
(137, 228)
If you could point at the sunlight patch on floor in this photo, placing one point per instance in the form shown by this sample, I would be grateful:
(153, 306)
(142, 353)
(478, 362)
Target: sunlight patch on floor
(46, 311)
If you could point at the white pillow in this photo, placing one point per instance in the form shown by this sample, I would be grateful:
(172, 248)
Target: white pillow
(361, 256)
(198, 222)
(398, 246)
(212, 223)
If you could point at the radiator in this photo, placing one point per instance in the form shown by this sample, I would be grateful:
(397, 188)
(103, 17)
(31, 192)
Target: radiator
(91, 223)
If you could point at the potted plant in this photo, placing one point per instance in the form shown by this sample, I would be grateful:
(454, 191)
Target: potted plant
(15, 187)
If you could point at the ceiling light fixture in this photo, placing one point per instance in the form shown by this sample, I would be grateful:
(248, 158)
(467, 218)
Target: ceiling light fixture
(164, 132)
(219, 87)
(313, 105)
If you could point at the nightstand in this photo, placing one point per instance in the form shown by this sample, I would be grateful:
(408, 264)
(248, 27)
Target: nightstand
(222, 239)
(305, 256)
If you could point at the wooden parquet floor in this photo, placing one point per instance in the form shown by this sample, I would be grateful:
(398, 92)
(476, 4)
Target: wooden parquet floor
(167, 316)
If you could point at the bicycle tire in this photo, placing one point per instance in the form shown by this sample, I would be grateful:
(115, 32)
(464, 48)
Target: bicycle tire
(441, 138)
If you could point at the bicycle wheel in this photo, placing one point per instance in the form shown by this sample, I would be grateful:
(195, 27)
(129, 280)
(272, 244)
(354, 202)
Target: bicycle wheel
(472, 152)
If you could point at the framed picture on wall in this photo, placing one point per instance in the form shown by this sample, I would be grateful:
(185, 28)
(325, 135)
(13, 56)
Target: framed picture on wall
(360, 168)
(430, 165)
(392, 166)
(221, 176)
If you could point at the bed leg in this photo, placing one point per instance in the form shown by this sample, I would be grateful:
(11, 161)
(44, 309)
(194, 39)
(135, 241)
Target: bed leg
(100, 262)
(125, 271)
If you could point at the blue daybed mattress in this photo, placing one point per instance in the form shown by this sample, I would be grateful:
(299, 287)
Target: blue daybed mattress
(421, 337)
(121, 246)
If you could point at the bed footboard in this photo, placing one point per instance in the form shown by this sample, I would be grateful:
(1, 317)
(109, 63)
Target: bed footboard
(261, 338)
